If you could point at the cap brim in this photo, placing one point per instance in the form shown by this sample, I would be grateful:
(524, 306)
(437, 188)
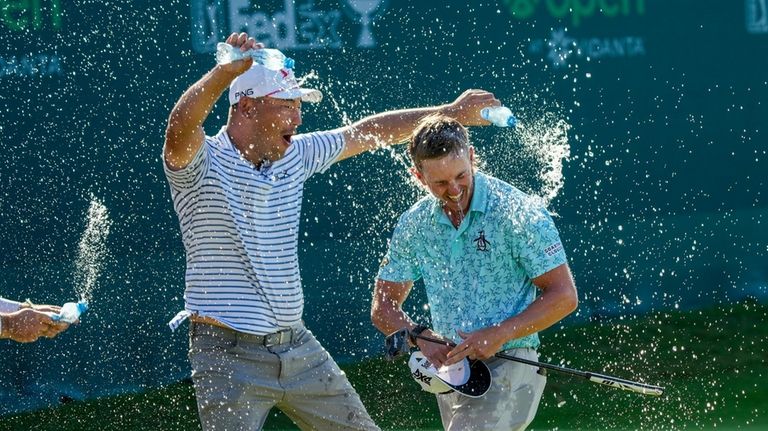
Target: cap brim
(479, 380)
(454, 374)
(305, 94)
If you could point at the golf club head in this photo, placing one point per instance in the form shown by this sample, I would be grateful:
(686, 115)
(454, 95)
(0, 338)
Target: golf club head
(396, 344)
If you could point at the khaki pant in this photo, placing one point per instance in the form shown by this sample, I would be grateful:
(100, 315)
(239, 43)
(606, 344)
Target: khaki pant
(238, 380)
(510, 404)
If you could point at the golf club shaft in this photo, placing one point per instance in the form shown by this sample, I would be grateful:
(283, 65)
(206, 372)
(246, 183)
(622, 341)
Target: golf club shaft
(602, 379)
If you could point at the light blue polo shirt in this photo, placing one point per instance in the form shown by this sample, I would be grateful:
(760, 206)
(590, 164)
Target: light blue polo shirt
(479, 274)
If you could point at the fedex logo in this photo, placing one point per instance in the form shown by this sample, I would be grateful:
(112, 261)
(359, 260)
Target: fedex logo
(284, 24)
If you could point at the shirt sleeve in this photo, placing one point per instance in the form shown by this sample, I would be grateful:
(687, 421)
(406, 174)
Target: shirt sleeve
(190, 176)
(8, 306)
(400, 263)
(319, 150)
(537, 243)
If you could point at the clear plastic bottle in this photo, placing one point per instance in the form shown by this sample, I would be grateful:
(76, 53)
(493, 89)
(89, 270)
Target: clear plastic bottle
(499, 116)
(71, 311)
(270, 58)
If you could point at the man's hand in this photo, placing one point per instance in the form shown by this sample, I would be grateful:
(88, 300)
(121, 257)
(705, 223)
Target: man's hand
(436, 353)
(481, 344)
(27, 324)
(466, 108)
(245, 43)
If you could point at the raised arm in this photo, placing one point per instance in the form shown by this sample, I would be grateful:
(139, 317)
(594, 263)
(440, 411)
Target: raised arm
(184, 134)
(557, 299)
(394, 127)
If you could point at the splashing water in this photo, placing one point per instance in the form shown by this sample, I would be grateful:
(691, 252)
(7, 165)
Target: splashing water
(308, 77)
(92, 250)
(531, 157)
(546, 138)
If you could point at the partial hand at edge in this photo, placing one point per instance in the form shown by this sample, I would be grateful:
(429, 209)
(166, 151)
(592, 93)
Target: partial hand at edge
(27, 325)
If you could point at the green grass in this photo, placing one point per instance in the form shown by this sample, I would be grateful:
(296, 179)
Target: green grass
(714, 364)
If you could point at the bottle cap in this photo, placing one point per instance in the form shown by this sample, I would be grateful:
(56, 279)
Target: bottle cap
(82, 307)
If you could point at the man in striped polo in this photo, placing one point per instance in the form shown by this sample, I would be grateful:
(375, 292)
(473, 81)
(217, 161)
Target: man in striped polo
(238, 196)
(483, 249)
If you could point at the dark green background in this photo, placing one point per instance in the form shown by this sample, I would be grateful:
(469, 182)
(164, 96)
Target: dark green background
(663, 205)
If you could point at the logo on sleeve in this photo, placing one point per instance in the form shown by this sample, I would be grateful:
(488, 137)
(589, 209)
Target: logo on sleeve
(553, 249)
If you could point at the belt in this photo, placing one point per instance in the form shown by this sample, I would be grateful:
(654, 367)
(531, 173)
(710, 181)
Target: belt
(283, 336)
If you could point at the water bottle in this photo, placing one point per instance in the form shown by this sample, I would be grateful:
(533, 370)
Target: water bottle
(70, 312)
(270, 58)
(499, 116)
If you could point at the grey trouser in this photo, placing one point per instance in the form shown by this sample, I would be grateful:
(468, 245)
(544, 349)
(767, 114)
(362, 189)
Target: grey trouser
(238, 380)
(510, 404)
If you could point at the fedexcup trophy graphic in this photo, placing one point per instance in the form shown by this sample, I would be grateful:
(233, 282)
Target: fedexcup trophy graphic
(757, 16)
(366, 11)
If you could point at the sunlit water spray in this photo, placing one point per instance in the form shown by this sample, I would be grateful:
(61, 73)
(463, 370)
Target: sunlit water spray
(531, 156)
(92, 250)
(546, 138)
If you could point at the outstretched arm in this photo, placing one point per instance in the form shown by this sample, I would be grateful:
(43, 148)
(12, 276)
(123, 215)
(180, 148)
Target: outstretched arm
(394, 127)
(28, 322)
(184, 134)
(558, 299)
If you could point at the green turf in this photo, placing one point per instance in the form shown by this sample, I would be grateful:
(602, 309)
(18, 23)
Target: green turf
(714, 364)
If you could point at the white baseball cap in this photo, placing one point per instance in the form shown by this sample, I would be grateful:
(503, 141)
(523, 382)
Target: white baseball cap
(470, 378)
(258, 81)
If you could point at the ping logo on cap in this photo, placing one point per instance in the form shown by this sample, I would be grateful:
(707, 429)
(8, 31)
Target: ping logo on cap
(245, 93)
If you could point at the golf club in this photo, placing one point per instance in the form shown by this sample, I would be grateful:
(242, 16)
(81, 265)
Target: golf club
(397, 343)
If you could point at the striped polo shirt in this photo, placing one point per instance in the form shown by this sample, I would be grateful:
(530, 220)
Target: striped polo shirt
(240, 228)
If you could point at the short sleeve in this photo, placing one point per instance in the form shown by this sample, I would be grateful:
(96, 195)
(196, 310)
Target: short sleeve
(400, 263)
(8, 306)
(537, 242)
(319, 150)
(190, 175)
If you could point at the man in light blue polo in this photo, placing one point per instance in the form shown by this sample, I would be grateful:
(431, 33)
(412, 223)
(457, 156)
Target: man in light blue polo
(483, 249)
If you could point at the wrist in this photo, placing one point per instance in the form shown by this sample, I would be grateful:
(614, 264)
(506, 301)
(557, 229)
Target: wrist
(416, 330)
(226, 71)
(509, 331)
(3, 325)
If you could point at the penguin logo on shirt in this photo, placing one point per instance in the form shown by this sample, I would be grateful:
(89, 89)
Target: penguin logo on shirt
(482, 243)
